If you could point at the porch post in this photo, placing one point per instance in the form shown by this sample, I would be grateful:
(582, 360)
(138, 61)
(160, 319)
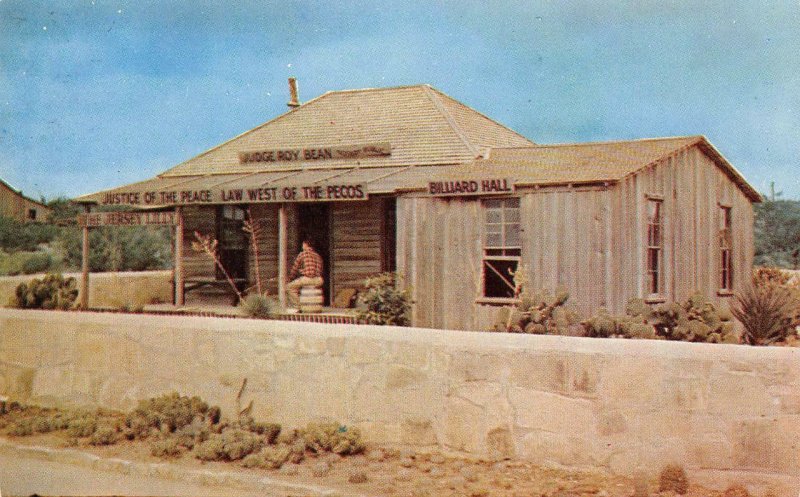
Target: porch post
(180, 298)
(282, 248)
(84, 303)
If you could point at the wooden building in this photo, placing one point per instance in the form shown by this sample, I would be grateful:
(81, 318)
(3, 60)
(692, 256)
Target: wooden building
(409, 179)
(13, 204)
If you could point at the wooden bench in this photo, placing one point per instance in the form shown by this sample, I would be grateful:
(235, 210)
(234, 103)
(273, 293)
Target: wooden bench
(194, 283)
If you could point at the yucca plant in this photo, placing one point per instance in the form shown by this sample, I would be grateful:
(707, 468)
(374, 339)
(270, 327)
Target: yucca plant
(769, 312)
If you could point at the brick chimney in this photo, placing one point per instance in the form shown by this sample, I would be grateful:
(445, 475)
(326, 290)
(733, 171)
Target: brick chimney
(293, 100)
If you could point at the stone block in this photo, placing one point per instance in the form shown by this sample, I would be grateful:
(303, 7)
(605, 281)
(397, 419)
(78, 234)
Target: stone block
(360, 350)
(398, 377)
(553, 413)
(417, 432)
(411, 355)
(466, 367)
(756, 445)
(463, 426)
(742, 394)
(335, 346)
(568, 374)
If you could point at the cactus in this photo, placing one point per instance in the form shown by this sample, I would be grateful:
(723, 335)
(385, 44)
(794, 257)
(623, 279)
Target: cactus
(541, 313)
(51, 292)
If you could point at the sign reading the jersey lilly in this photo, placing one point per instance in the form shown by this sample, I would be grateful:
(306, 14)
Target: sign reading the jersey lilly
(127, 219)
(470, 187)
(292, 193)
(312, 154)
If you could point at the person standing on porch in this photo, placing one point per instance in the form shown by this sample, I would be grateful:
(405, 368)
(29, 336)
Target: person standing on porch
(306, 271)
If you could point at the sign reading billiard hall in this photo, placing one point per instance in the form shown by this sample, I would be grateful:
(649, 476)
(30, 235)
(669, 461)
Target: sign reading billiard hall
(470, 187)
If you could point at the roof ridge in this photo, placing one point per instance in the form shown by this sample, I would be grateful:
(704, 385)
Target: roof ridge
(458, 102)
(399, 87)
(609, 142)
(450, 120)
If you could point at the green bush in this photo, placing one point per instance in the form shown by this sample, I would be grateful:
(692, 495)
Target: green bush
(137, 248)
(385, 301)
(26, 263)
(51, 292)
(259, 306)
(18, 236)
(540, 313)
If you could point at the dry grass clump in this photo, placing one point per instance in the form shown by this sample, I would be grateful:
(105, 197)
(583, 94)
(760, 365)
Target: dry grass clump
(673, 479)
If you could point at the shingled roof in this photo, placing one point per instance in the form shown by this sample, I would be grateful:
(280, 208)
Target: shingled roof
(423, 126)
(596, 162)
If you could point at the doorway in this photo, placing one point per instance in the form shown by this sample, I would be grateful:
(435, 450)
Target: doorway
(233, 243)
(313, 223)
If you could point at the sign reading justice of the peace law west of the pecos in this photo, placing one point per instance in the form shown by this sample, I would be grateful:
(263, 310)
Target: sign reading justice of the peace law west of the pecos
(300, 193)
(470, 187)
(350, 152)
(97, 219)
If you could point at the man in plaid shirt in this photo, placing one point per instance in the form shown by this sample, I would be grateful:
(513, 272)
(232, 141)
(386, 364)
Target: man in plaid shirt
(306, 271)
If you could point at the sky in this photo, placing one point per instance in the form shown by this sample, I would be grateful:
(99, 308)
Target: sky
(96, 94)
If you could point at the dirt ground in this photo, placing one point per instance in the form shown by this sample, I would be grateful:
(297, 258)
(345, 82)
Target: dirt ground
(403, 473)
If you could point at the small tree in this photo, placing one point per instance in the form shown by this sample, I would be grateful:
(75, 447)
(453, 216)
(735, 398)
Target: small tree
(768, 308)
(385, 301)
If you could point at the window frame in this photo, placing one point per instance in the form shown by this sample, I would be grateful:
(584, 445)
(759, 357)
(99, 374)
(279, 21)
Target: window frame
(725, 274)
(502, 252)
(654, 276)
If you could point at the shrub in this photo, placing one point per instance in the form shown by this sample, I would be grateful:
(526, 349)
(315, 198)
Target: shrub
(673, 479)
(321, 437)
(167, 413)
(105, 435)
(272, 457)
(384, 301)
(259, 306)
(51, 292)
(82, 426)
(539, 314)
(167, 447)
(37, 262)
(231, 445)
(16, 235)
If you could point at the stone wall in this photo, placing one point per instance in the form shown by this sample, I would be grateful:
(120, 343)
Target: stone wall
(727, 413)
(113, 290)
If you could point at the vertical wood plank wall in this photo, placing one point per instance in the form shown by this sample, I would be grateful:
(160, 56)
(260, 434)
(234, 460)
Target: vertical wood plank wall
(355, 242)
(590, 241)
(693, 188)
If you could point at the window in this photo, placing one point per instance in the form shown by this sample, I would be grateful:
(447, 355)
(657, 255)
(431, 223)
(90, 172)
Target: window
(725, 245)
(502, 247)
(32, 214)
(655, 282)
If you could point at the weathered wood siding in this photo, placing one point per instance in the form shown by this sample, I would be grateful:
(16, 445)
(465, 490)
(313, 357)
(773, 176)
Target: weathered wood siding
(590, 241)
(439, 253)
(355, 242)
(693, 188)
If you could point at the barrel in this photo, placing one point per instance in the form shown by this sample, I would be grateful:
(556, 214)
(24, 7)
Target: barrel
(311, 299)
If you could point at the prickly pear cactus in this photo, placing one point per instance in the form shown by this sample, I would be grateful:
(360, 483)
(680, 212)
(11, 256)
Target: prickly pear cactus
(543, 312)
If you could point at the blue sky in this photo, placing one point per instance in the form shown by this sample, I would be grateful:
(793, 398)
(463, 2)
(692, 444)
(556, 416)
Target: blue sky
(96, 94)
